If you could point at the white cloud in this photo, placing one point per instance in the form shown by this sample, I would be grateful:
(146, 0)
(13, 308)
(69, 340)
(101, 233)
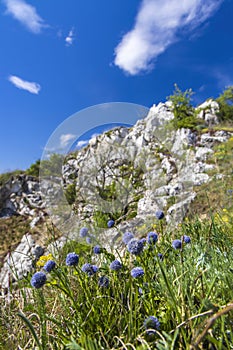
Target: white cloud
(26, 14)
(82, 143)
(70, 38)
(31, 87)
(157, 26)
(65, 139)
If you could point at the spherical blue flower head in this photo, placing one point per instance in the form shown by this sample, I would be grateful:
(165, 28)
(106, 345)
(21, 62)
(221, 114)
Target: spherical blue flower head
(143, 240)
(152, 237)
(127, 237)
(89, 269)
(135, 246)
(103, 281)
(137, 272)
(115, 265)
(72, 259)
(186, 239)
(140, 290)
(159, 214)
(160, 256)
(95, 268)
(110, 223)
(97, 249)
(83, 232)
(49, 266)
(177, 244)
(151, 322)
(88, 240)
(38, 279)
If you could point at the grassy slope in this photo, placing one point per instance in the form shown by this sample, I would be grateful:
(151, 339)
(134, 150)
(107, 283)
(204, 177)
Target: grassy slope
(189, 292)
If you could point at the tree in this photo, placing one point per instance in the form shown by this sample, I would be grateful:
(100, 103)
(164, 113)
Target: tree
(225, 101)
(184, 112)
(34, 169)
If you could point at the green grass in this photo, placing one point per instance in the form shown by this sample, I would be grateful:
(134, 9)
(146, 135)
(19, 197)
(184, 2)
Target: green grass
(216, 196)
(186, 291)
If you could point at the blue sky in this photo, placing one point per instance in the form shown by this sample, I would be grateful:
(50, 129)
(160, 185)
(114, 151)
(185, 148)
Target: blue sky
(59, 57)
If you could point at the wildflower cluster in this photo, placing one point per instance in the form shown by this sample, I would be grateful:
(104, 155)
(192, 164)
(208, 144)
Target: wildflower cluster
(177, 243)
(89, 269)
(104, 272)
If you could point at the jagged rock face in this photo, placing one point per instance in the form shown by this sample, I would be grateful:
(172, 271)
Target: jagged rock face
(20, 262)
(170, 163)
(20, 195)
(208, 112)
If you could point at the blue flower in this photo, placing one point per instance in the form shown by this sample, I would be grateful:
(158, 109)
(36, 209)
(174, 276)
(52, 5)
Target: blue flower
(186, 239)
(110, 223)
(83, 232)
(115, 265)
(152, 237)
(176, 244)
(95, 268)
(151, 322)
(38, 279)
(143, 240)
(144, 288)
(127, 237)
(103, 281)
(137, 272)
(89, 269)
(140, 290)
(97, 249)
(89, 239)
(160, 256)
(135, 246)
(72, 259)
(159, 214)
(49, 266)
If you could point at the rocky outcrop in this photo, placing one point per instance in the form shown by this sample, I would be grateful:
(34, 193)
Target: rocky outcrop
(20, 195)
(19, 262)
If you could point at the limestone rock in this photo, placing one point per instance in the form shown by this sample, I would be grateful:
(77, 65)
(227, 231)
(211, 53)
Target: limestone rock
(19, 262)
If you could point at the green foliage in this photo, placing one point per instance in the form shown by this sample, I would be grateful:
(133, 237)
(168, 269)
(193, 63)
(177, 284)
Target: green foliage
(185, 291)
(225, 101)
(70, 193)
(34, 169)
(47, 167)
(101, 218)
(4, 177)
(52, 166)
(184, 112)
(108, 192)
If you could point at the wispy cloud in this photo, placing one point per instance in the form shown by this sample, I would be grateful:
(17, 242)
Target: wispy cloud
(26, 14)
(31, 87)
(65, 139)
(158, 24)
(82, 143)
(70, 38)
(223, 79)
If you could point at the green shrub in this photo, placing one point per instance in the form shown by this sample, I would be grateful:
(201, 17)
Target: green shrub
(184, 112)
(34, 169)
(4, 177)
(225, 101)
(70, 193)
